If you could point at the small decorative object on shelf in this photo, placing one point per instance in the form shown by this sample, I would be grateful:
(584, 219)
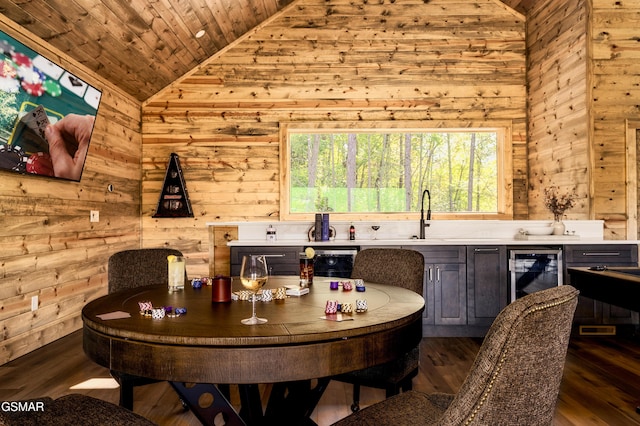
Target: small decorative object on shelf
(558, 204)
(174, 199)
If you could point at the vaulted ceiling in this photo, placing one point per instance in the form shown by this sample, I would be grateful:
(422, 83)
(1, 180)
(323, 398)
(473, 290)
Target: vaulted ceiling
(143, 45)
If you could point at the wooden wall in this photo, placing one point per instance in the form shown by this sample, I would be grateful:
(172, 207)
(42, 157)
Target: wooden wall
(48, 247)
(559, 123)
(320, 61)
(615, 65)
(326, 61)
(583, 76)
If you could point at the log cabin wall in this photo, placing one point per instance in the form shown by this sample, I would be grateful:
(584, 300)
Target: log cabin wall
(583, 79)
(325, 61)
(614, 36)
(559, 122)
(48, 247)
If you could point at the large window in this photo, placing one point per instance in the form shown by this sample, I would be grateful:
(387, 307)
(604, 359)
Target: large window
(384, 172)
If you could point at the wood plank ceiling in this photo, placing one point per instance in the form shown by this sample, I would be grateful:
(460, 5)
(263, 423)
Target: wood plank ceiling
(143, 45)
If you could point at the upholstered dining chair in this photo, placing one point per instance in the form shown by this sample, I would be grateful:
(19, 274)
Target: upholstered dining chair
(130, 269)
(514, 380)
(397, 267)
(73, 409)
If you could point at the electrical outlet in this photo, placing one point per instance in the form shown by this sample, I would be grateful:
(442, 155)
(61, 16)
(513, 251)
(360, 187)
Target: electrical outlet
(34, 303)
(95, 216)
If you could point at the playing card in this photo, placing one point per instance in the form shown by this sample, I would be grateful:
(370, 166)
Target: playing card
(43, 64)
(73, 84)
(36, 120)
(29, 131)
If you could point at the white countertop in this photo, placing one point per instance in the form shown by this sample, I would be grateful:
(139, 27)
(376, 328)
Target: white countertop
(440, 232)
(427, 242)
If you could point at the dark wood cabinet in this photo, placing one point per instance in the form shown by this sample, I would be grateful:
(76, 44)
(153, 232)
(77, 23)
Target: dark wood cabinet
(590, 311)
(445, 284)
(487, 283)
(466, 286)
(283, 260)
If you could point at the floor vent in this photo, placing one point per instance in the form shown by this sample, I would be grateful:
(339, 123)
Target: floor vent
(597, 330)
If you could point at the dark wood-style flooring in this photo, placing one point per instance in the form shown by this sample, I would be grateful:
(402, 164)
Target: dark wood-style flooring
(601, 384)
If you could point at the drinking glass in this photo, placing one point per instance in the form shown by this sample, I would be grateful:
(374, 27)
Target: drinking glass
(176, 273)
(253, 276)
(375, 231)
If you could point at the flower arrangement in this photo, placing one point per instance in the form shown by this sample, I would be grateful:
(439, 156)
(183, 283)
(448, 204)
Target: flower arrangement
(558, 203)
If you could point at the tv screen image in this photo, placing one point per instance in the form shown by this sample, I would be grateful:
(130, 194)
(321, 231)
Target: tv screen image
(47, 114)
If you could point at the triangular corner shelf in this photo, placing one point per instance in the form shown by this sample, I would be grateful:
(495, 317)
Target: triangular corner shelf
(174, 198)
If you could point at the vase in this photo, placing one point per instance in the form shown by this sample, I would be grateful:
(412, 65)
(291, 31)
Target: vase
(558, 226)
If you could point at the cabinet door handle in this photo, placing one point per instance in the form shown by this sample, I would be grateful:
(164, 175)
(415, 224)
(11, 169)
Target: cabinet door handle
(430, 275)
(595, 253)
(485, 250)
(437, 274)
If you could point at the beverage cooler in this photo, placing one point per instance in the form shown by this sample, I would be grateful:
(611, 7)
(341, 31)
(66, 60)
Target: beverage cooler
(335, 261)
(533, 269)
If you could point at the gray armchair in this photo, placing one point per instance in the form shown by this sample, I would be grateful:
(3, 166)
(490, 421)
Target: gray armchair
(130, 269)
(401, 268)
(515, 378)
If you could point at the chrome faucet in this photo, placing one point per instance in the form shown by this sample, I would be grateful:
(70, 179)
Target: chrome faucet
(425, 223)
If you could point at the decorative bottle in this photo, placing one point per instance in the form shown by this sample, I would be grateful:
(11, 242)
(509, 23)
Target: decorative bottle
(271, 234)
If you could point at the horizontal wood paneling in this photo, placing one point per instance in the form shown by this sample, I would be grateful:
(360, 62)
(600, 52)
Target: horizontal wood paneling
(48, 247)
(334, 61)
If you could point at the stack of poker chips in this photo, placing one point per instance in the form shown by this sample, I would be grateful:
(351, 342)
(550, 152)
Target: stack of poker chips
(333, 307)
(280, 293)
(347, 285)
(148, 310)
(346, 308)
(361, 306)
(267, 295)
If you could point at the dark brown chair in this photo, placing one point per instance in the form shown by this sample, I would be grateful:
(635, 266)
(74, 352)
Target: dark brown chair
(74, 409)
(397, 267)
(130, 269)
(514, 380)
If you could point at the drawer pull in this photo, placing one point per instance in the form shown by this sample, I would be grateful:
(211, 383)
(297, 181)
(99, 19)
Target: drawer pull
(486, 250)
(595, 253)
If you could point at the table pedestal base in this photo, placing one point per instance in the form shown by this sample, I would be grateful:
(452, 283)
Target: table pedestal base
(207, 402)
(289, 403)
(294, 402)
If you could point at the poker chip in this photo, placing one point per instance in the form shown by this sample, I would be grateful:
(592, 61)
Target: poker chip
(52, 88)
(12, 157)
(21, 59)
(34, 89)
(7, 70)
(30, 75)
(6, 47)
(41, 75)
(9, 85)
(40, 164)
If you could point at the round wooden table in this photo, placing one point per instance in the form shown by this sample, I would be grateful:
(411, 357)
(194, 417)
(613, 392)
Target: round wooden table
(210, 345)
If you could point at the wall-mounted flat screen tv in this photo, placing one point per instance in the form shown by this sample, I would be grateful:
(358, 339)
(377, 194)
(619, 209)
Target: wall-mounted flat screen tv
(47, 114)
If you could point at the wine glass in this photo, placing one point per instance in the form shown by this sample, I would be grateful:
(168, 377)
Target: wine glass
(253, 276)
(375, 231)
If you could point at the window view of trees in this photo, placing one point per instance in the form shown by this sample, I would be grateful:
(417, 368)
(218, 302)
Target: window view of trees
(368, 172)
